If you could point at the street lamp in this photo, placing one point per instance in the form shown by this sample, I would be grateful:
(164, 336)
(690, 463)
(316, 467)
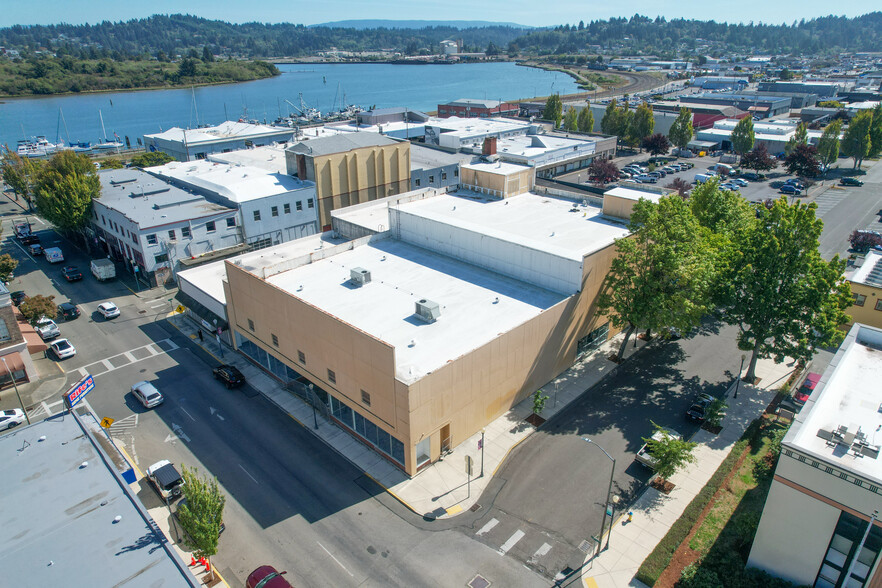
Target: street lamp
(743, 357)
(312, 402)
(15, 385)
(608, 494)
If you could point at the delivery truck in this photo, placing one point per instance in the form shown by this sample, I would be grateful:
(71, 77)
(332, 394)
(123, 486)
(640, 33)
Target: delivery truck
(53, 254)
(103, 269)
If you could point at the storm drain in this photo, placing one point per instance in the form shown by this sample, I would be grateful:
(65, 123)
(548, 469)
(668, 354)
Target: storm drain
(586, 546)
(475, 507)
(479, 581)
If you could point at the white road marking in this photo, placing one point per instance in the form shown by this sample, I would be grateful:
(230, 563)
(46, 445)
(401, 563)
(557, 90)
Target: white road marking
(129, 356)
(486, 528)
(124, 424)
(542, 551)
(180, 432)
(252, 478)
(335, 559)
(171, 437)
(107, 364)
(184, 410)
(109, 367)
(517, 536)
(158, 305)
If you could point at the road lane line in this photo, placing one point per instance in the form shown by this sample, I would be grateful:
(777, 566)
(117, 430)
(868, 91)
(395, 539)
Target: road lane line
(335, 559)
(184, 410)
(252, 477)
(517, 536)
(486, 528)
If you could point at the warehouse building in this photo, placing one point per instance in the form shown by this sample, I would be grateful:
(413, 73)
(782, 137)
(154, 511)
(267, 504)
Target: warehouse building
(191, 144)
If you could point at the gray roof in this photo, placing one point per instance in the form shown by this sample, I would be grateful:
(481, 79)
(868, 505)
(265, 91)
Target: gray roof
(427, 158)
(341, 143)
(149, 202)
(60, 501)
(475, 102)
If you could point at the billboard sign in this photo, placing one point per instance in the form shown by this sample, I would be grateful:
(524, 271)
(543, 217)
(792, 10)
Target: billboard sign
(79, 391)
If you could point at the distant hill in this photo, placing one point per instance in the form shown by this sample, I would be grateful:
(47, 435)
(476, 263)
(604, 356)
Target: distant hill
(416, 24)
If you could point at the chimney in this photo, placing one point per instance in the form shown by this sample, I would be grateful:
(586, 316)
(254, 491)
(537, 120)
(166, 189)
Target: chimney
(489, 146)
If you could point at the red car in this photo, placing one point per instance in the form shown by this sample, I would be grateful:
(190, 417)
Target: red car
(266, 577)
(808, 386)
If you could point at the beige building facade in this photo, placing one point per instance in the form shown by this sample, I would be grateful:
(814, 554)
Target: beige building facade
(866, 291)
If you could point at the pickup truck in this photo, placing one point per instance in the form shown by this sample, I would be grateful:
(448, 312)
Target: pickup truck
(47, 329)
(165, 480)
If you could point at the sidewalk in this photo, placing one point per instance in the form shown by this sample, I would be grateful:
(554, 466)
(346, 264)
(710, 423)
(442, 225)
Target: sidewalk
(654, 512)
(442, 489)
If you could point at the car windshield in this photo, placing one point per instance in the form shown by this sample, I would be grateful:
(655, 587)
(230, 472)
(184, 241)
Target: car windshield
(154, 396)
(62, 345)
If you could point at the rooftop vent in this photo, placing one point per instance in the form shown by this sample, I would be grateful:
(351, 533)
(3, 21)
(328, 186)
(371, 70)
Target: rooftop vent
(427, 310)
(359, 276)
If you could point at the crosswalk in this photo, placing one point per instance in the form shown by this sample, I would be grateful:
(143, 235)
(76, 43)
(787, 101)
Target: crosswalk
(527, 543)
(126, 358)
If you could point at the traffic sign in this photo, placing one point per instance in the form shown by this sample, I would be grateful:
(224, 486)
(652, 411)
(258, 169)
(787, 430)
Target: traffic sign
(180, 309)
(106, 422)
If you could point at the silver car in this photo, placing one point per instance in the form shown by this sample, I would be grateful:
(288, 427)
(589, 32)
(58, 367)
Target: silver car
(147, 394)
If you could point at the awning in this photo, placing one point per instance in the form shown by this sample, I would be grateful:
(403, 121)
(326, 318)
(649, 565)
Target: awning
(15, 363)
(757, 108)
(200, 310)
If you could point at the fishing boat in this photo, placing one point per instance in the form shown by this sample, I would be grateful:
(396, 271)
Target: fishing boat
(106, 143)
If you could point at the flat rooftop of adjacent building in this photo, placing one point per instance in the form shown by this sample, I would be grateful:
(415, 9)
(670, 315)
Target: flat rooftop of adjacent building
(226, 131)
(467, 127)
(528, 146)
(633, 194)
(422, 157)
(502, 168)
(476, 304)
(60, 502)
(149, 202)
(475, 102)
(847, 396)
(341, 143)
(269, 157)
(238, 183)
(870, 272)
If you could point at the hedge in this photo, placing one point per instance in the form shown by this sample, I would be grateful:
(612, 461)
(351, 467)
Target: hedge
(657, 561)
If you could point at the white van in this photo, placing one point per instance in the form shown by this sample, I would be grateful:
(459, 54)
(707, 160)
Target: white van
(53, 255)
(702, 178)
(722, 168)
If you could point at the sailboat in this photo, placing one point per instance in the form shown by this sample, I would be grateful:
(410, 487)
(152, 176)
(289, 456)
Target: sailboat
(106, 143)
(76, 146)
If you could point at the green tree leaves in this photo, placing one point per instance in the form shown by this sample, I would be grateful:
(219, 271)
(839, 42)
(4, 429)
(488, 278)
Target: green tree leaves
(743, 136)
(65, 188)
(553, 109)
(828, 144)
(856, 142)
(585, 121)
(669, 453)
(681, 130)
(202, 515)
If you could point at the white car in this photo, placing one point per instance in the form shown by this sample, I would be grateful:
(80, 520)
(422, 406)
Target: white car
(62, 348)
(11, 418)
(646, 179)
(147, 394)
(738, 181)
(108, 310)
(644, 457)
(47, 329)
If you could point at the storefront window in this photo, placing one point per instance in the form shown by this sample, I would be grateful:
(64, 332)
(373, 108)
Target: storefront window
(423, 450)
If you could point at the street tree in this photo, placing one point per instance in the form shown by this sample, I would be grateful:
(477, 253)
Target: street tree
(202, 514)
(681, 186)
(828, 145)
(681, 130)
(553, 109)
(35, 307)
(603, 171)
(800, 137)
(7, 267)
(112, 163)
(758, 159)
(585, 121)
(742, 136)
(643, 122)
(539, 400)
(657, 144)
(669, 453)
(785, 299)
(65, 189)
(626, 127)
(856, 141)
(151, 159)
(876, 133)
(863, 241)
(660, 275)
(609, 124)
(571, 120)
(803, 161)
(20, 174)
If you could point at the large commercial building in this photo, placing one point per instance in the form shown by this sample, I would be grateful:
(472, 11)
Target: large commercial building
(190, 144)
(447, 311)
(823, 89)
(472, 108)
(350, 168)
(773, 134)
(866, 289)
(457, 133)
(820, 525)
(757, 105)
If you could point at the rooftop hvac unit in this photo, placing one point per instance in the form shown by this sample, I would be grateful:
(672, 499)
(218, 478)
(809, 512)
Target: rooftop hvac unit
(359, 276)
(427, 310)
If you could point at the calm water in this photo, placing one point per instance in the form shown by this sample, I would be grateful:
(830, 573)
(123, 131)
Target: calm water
(135, 114)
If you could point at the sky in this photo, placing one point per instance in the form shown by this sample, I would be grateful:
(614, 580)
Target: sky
(528, 12)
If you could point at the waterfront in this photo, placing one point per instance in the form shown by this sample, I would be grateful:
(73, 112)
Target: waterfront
(134, 114)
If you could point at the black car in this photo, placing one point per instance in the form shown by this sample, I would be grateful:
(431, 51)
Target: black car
(850, 182)
(698, 411)
(71, 273)
(229, 375)
(68, 311)
(17, 297)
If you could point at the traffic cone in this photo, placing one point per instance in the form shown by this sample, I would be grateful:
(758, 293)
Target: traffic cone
(207, 567)
(202, 561)
(193, 561)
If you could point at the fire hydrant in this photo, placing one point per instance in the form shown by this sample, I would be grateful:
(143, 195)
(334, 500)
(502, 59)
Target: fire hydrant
(630, 516)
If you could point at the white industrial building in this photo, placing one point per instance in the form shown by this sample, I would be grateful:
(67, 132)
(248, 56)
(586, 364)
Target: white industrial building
(273, 207)
(456, 133)
(774, 134)
(820, 525)
(190, 144)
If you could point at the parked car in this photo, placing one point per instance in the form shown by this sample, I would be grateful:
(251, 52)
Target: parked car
(795, 183)
(108, 310)
(751, 176)
(165, 479)
(11, 418)
(644, 457)
(47, 329)
(808, 386)
(730, 186)
(17, 297)
(147, 394)
(850, 182)
(789, 405)
(698, 411)
(229, 375)
(790, 189)
(71, 273)
(739, 182)
(266, 577)
(35, 249)
(646, 179)
(669, 169)
(68, 311)
(63, 348)
(624, 175)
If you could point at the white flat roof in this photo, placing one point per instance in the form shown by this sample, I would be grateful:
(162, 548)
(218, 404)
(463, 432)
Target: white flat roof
(501, 168)
(847, 396)
(633, 194)
(467, 127)
(238, 183)
(209, 278)
(555, 225)
(268, 157)
(861, 275)
(225, 131)
(526, 146)
(476, 304)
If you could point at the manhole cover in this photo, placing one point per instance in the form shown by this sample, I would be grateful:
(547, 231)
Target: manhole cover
(586, 545)
(479, 581)
(475, 507)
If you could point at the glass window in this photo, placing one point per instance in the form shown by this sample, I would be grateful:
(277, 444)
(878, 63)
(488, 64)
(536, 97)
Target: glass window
(443, 175)
(185, 232)
(370, 431)
(287, 208)
(231, 222)
(416, 182)
(210, 227)
(151, 239)
(274, 211)
(345, 416)
(359, 424)
(332, 377)
(103, 222)
(431, 179)
(383, 441)
(310, 203)
(859, 299)
(594, 339)
(397, 451)
(251, 324)
(879, 304)
(172, 235)
(161, 258)
(299, 205)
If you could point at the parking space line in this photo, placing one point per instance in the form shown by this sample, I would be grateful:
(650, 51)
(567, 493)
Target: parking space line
(516, 536)
(129, 356)
(335, 559)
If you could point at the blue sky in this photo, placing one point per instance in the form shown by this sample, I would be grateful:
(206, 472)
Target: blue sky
(521, 11)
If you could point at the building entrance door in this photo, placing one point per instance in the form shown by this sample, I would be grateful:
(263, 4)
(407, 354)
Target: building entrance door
(445, 439)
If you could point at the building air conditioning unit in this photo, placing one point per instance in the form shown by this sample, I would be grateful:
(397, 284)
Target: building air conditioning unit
(359, 276)
(427, 310)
